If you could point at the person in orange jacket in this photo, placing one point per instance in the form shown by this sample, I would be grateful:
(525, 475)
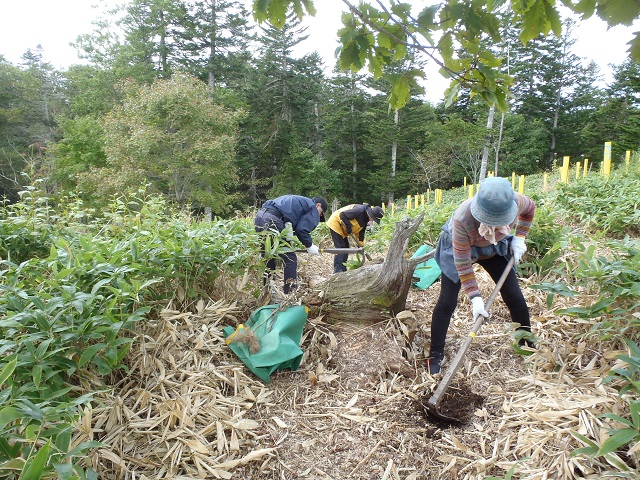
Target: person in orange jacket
(351, 220)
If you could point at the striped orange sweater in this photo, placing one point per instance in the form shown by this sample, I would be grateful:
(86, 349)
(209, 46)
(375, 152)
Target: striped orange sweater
(465, 234)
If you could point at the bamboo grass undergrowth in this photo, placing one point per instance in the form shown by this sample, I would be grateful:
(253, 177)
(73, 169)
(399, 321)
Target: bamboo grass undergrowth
(76, 284)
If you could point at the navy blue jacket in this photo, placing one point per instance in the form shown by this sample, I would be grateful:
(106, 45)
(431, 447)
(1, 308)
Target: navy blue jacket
(300, 211)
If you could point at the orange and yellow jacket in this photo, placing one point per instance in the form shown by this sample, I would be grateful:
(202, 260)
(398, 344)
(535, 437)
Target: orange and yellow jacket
(352, 219)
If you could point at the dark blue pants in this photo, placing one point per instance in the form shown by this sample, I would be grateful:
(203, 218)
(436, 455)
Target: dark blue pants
(266, 221)
(339, 259)
(448, 301)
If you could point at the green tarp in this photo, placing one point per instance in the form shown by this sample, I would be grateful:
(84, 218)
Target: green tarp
(279, 334)
(428, 272)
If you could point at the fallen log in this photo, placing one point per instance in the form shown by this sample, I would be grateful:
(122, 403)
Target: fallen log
(372, 292)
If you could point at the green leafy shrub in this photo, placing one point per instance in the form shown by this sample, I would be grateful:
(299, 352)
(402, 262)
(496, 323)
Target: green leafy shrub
(599, 203)
(428, 231)
(543, 235)
(72, 306)
(614, 281)
(26, 228)
(625, 434)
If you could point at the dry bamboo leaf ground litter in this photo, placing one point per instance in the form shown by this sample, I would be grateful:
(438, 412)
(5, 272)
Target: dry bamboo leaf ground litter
(354, 410)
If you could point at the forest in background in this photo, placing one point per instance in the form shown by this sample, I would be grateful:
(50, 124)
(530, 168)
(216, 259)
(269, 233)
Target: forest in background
(194, 101)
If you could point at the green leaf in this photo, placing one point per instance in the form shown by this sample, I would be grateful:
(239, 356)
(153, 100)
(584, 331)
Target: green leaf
(260, 10)
(35, 466)
(9, 415)
(97, 286)
(375, 66)
(31, 410)
(8, 450)
(617, 418)
(350, 57)
(10, 323)
(7, 370)
(15, 464)
(64, 470)
(36, 374)
(90, 352)
(633, 346)
(41, 321)
(501, 95)
(554, 19)
(80, 449)
(63, 440)
(451, 93)
(384, 40)
(534, 22)
(585, 7)
(590, 450)
(622, 437)
(634, 49)
(278, 12)
(619, 12)
(64, 273)
(635, 413)
(426, 18)
(400, 93)
(446, 47)
(593, 310)
(401, 52)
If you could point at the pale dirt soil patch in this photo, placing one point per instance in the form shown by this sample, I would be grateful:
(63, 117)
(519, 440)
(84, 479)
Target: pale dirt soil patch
(188, 408)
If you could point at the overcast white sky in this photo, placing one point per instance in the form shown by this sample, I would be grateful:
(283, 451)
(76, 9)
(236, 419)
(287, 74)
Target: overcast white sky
(53, 24)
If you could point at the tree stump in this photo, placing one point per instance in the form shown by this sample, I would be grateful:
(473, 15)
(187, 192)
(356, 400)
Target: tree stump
(372, 292)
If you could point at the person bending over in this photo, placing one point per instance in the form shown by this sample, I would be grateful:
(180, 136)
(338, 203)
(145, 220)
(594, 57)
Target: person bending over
(351, 220)
(480, 231)
(304, 214)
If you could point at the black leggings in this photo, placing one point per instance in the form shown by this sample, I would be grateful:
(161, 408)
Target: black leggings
(448, 301)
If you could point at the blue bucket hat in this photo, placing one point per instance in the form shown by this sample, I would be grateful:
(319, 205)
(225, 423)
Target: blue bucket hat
(495, 203)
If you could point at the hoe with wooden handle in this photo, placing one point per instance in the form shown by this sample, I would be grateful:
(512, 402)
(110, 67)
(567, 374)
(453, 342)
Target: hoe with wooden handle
(353, 237)
(365, 253)
(434, 402)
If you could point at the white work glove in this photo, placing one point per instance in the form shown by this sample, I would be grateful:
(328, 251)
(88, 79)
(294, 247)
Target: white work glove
(313, 250)
(518, 248)
(478, 307)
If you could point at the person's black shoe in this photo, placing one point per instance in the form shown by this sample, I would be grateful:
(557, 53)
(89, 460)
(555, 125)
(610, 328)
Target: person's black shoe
(434, 363)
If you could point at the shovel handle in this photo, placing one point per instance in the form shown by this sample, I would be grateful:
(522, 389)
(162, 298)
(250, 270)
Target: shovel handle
(358, 250)
(435, 399)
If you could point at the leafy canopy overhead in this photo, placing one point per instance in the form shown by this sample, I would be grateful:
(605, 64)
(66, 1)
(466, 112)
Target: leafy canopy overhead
(457, 34)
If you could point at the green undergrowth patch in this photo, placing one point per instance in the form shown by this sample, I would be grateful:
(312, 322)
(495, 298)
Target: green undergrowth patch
(69, 310)
(75, 284)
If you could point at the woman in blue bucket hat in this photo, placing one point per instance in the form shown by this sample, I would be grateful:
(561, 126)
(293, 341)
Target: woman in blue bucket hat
(480, 231)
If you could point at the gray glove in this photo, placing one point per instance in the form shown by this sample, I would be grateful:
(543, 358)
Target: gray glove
(288, 231)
